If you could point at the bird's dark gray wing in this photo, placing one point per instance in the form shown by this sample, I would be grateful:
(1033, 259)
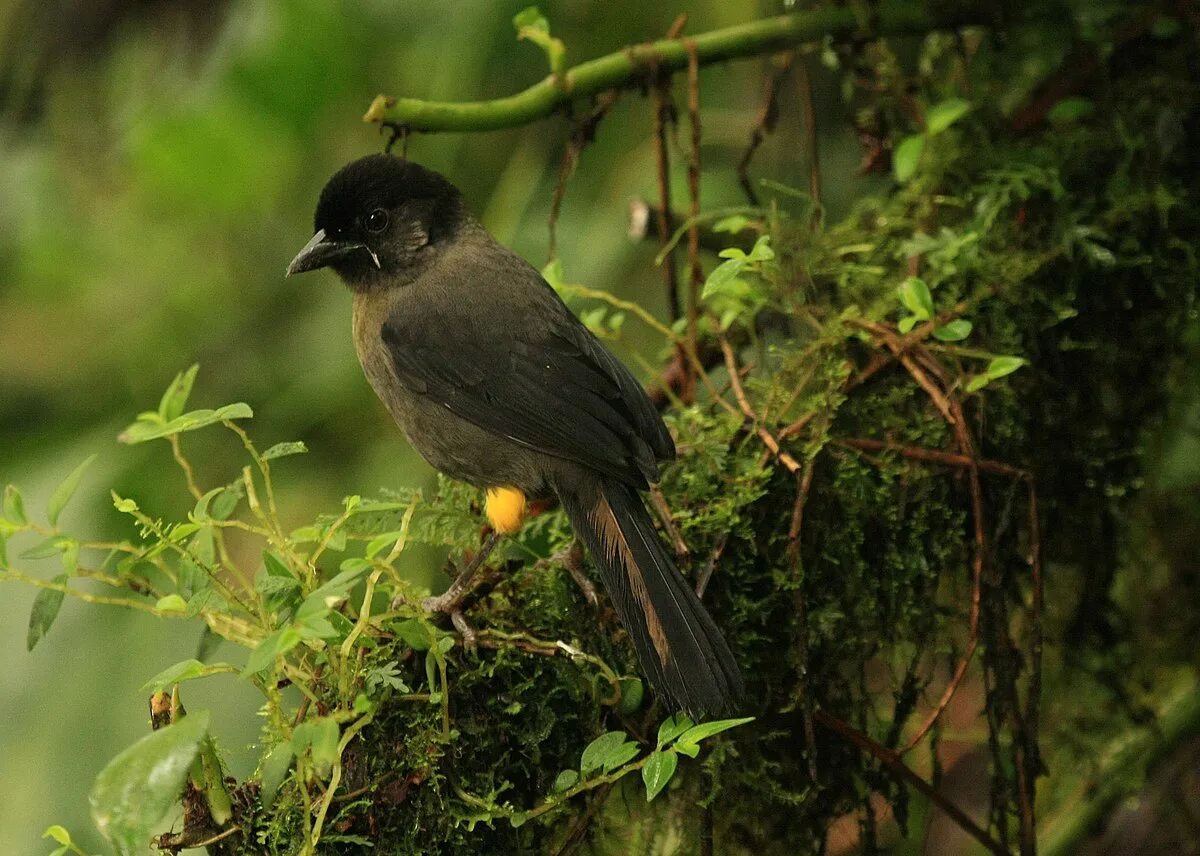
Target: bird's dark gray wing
(533, 373)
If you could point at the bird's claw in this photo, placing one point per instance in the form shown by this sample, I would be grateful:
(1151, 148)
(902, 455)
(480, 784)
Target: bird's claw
(465, 630)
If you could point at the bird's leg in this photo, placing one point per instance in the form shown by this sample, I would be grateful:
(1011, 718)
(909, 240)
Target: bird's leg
(464, 629)
(449, 600)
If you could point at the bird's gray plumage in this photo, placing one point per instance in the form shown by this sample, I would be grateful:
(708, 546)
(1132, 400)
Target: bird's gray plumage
(496, 383)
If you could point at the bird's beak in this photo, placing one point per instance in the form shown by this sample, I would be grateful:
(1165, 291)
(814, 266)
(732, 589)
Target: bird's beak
(320, 252)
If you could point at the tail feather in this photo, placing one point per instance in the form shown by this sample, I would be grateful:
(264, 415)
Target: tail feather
(678, 644)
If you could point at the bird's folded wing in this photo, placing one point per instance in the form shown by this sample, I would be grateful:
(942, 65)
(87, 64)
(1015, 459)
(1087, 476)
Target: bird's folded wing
(539, 378)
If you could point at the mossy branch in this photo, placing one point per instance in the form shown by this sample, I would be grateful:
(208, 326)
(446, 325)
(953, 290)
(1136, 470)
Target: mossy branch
(636, 65)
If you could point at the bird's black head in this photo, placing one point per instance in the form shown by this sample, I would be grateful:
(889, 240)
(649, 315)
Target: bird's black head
(377, 218)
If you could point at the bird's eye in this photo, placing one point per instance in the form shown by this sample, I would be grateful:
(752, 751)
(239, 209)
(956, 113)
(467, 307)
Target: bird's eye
(377, 220)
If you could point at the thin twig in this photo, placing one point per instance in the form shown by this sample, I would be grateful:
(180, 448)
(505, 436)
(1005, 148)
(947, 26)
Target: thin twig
(696, 275)
(711, 565)
(184, 464)
(583, 132)
(891, 759)
(668, 521)
(934, 456)
(768, 439)
(662, 117)
(764, 123)
(810, 134)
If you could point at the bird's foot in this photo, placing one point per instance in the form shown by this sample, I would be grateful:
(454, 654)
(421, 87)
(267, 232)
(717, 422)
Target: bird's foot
(465, 630)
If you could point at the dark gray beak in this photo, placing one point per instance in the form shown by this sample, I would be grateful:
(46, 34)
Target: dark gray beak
(322, 252)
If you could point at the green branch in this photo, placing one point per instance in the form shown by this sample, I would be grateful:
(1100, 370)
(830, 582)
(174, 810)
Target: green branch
(635, 65)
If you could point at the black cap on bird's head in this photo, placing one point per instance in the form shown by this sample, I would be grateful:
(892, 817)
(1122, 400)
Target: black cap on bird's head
(376, 217)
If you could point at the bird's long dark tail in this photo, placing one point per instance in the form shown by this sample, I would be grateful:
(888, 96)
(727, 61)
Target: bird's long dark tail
(678, 644)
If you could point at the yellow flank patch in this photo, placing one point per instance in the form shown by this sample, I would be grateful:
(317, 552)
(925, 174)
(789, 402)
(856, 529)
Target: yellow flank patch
(505, 509)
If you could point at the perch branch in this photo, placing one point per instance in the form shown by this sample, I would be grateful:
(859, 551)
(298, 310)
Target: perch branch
(634, 66)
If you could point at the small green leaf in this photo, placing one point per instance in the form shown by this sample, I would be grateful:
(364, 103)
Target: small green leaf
(605, 751)
(144, 429)
(275, 566)
(915, 296)
(414, 634)
(732, 224)
(58, 833)
(282, 450)
(228, 499)
(45, 609)
(659, 769)
(200, 512)
(531, 24)
(721, 274)
(176, 396)
(518, 818)
(171, 603)
(907, 323)
(941, 116)
(386, 539)
(63, 493)
(47, 548)
(320, 737)
(531, 17)
(185, 670)
(279, 642)
(14, 505)
(125, 506)
(564, 781)
(762, 251)
(672, 727)
(137, 788)
(273, 770)
(978, 382)
(954, 331)
(278, 593)
(707, 729)
(906, 156)
(1001, 366)
(689, 749)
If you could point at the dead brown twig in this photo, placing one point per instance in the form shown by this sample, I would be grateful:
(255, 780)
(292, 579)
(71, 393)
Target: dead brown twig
(810, 136)
(892, 760)
(764, 123)
(768, 439)
(583, 132)
(695, 274)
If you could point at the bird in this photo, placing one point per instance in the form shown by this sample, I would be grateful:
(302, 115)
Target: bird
(496, 383)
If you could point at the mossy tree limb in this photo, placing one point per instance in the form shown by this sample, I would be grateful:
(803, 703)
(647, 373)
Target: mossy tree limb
(636, 65)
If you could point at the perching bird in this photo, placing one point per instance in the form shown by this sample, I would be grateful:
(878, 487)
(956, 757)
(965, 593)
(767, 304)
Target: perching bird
(496, 383)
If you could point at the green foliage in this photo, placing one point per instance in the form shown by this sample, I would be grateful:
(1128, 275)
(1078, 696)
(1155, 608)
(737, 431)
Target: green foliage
(390, 731)
(531, 24)
(140, 785)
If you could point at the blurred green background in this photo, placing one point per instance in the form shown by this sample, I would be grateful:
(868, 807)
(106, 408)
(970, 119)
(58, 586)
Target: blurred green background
(159, 163)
